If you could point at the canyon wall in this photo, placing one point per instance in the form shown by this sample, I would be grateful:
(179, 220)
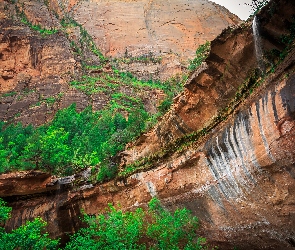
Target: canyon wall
(231, 63)
(240, 181)
(238, 178)
(35, 69)
(156, 26)
(169, 30)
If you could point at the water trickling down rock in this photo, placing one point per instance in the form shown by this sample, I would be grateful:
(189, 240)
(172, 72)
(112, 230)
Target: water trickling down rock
(258, 44)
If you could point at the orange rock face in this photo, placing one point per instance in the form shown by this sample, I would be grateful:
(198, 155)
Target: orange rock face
(32, 69)
(213, 86)
(239, 180)
(157, 26)
(172, 30)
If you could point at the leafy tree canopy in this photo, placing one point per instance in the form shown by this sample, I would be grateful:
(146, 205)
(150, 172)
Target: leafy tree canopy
(31, 236)
(157, 228)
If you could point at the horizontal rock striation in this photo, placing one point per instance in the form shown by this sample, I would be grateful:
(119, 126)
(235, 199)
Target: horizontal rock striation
(238, 179)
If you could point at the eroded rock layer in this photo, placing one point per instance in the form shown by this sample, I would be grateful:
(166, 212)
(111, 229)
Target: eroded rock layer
(238, 179)
(240, 182)
(230, 64)
(36, 69)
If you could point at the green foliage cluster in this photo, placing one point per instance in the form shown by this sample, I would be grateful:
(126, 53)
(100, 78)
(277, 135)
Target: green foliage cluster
(156, 228)
(31, 236)
(111, 84)
(37, 27)
(72, 141)
(4, 211)
(12, 93)
(171, 87)
(85, 40)
(149, 58)
(202, 53)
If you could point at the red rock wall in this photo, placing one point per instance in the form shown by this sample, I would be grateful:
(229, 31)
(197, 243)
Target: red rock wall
(212, 87)
(32, 68)
(240, 182)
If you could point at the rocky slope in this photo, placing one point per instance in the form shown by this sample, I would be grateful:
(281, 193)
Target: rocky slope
(167, 31)
(238, 178)
(214, 86)
(36, 68)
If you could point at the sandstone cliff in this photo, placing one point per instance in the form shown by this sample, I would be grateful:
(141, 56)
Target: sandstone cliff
(35, 69)
(238, 178)
(164, 34)
(214, 86)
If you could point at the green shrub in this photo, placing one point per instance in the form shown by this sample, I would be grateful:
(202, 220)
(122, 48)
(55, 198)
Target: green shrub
(30, 236)
(156, 229)
(201, 54)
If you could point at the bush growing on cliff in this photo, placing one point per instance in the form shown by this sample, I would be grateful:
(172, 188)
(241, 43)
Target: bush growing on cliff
(156, 229)
(201, 54)
(30, 236)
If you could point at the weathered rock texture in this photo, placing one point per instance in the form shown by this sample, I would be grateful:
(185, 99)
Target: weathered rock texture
(214, 85)
(35, 70)
(169, 29)
(158, 26)
(240, 182)
(239, 179)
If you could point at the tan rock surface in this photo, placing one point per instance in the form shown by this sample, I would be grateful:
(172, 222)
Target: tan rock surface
(157, 26)
(214, 85)
(172, 29)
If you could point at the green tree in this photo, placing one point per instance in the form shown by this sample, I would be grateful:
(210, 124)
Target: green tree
(4, 160)
(14, 139)
(30, 236)
(173, 230)
(55, 152)
(156, 229)
(31, 154)
(114, 230)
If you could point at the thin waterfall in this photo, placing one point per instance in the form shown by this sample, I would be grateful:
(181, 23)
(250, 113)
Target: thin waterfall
(258, 44)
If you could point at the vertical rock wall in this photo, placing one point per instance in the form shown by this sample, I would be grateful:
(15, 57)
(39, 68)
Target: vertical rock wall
(212, 87)
(170, 31)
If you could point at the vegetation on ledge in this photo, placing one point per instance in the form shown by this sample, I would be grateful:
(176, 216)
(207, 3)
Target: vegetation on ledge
(155, 228)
